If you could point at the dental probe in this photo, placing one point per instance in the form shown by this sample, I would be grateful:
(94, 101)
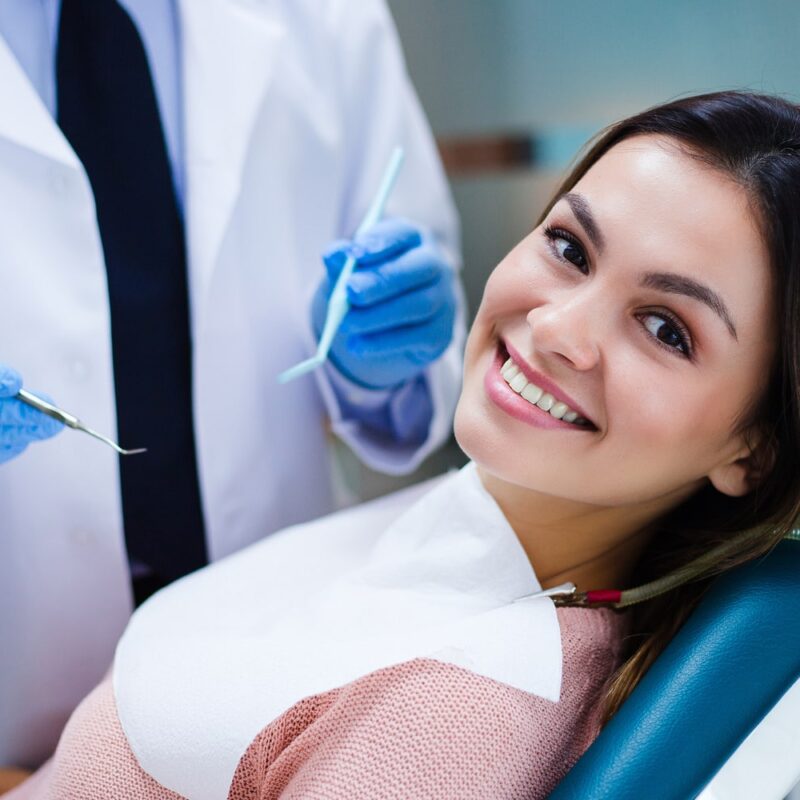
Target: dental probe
(338, 306)
(71, 421)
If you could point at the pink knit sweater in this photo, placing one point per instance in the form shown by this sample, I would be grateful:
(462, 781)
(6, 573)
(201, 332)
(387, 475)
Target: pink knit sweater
(420, 729)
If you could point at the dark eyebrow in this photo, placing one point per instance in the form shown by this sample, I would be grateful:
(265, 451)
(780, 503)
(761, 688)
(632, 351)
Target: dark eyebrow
(662, 281)
(580, 208)
(680, 284)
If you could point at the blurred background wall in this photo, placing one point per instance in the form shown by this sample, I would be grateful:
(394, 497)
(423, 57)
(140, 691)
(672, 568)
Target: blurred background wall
(558, 72)
(567, 67)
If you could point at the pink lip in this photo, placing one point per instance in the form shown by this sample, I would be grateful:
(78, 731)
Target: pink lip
(503, 396)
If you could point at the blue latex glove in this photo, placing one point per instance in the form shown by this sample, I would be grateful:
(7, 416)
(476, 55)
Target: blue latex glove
(20, 424)
(403, 304)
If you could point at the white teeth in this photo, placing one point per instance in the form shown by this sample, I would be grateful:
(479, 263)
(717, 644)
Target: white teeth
(510, 372)
(532, 393)
(516, 379)
(518, 382)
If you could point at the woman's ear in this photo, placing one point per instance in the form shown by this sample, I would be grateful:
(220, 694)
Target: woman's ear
(750, 465)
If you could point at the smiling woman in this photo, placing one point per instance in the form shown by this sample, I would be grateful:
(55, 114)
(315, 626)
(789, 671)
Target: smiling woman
(631, 409)
(660, 291)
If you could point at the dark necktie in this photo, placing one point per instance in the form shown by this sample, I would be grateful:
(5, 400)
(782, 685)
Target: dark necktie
(107, 110)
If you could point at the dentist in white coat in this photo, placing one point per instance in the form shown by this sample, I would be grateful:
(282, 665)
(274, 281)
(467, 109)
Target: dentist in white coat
(277, 118)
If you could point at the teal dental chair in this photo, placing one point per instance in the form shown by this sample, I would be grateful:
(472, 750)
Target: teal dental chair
(730, 664)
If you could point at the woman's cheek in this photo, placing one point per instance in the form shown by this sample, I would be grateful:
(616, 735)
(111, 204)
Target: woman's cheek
(511, 295)
(670, 424)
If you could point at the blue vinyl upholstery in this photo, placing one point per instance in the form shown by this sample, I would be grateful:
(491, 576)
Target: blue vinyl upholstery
(729, 664)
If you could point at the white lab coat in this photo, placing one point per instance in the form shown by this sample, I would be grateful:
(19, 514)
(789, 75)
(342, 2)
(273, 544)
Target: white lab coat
(291, 110)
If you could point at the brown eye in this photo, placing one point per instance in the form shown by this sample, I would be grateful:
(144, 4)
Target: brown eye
(667, 332)
(566, 247)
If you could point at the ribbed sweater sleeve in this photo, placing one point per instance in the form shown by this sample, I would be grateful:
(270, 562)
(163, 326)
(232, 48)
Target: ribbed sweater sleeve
(426, 729)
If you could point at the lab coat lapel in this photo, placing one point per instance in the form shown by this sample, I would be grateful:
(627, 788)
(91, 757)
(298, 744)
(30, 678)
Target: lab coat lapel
(25, 120)
(228, 54)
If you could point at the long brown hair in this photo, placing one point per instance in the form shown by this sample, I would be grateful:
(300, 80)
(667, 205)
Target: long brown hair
(755, 140)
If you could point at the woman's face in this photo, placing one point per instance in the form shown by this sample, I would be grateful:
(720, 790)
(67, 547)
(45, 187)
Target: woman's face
(642, 306)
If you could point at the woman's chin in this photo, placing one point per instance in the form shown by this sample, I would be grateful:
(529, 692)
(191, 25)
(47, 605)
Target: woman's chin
(475, 437)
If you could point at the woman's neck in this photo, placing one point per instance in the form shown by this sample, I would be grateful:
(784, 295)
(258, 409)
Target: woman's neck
(595, 547)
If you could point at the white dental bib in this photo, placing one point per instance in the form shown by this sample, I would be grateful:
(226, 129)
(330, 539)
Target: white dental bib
(429, 572)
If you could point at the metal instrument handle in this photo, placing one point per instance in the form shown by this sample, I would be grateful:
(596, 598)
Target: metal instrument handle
(71, 421)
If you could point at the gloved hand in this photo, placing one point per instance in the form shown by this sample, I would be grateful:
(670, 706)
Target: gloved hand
(20, 424)
(402, 304)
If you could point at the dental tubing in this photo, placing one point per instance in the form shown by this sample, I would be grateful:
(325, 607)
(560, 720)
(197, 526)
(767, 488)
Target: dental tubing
(568, 595)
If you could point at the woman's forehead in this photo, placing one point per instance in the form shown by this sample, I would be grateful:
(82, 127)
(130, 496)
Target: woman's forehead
(652, 182)
(658, 208)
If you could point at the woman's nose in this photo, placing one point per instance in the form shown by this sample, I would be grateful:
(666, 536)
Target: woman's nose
(568, 331)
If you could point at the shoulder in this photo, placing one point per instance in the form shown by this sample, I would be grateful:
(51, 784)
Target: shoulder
(94, 757)
(592, 634)
(592, 643)
(418, 729)
(425, 728)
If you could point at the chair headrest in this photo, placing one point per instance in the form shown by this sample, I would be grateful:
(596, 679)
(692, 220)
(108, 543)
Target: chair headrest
(735, 657)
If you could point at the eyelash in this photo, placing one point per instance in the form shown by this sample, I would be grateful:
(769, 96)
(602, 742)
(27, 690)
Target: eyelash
(559, 233)
(685, 350)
